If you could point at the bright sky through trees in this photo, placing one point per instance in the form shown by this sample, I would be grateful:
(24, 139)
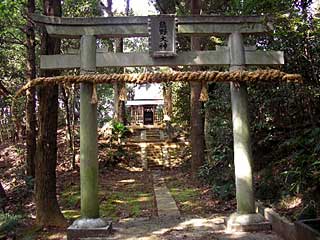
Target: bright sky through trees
(140, 7)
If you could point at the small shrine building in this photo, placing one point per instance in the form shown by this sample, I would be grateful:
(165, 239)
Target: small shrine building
(146, 105)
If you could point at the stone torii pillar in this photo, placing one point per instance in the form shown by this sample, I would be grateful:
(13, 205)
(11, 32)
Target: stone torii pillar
(88, 132)
(246, 213)
(89, 225)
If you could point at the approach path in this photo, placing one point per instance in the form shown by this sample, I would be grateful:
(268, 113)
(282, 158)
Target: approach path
(169, 225)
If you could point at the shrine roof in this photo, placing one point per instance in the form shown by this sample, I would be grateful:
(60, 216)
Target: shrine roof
(145, 102)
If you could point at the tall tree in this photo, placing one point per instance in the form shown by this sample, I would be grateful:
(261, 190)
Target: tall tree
(119, 88)
(30, 105)
(167, 94)
(197, 123)
(48, 212)
(118, 46)
(122, 85)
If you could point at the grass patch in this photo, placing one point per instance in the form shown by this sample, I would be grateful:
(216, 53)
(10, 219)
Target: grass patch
(124, 204)
(70, 197)
(71, 214)
(185, 196)
(121, 195)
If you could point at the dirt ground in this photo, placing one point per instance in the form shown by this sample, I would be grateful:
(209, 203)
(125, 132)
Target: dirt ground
(126, 197)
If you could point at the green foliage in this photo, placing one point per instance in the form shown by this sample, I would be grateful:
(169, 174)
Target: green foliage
(284, 118)
(80, 8)
(181, 104)
(116, 151)
(219, 143)
(12, 58)
(220, 176)
(8, 222)
(11, 42)
(304, 170)
(105, 93)
(298, 169)
(254, 7)
(224, 191)
(119, 131)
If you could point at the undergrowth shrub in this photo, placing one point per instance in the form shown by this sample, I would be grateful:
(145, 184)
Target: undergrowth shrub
(8, 222)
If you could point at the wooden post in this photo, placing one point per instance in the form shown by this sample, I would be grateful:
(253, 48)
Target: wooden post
(88, 133)
(241, 130)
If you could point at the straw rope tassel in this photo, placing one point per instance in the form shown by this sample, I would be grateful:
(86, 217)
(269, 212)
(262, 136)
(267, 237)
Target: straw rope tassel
(94, 97)
(123, 92)
(204, 92)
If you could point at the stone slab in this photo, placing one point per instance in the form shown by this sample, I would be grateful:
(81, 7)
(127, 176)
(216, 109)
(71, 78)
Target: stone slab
(166, 205)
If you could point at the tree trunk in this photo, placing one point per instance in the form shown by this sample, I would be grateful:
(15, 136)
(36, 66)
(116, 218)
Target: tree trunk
(118, 104)
(167, 93)
(31, 101)
(3, 198)
(197, 124)
(120, 87)
(47, 208)
(70, 133)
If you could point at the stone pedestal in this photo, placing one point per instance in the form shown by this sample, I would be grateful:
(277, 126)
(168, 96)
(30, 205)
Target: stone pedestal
(246, 223)
(89, 228)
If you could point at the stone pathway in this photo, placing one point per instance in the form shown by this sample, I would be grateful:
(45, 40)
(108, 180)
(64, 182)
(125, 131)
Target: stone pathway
(169, 225)
(166, 205)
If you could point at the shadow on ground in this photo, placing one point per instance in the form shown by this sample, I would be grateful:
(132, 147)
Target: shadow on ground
(178, 229)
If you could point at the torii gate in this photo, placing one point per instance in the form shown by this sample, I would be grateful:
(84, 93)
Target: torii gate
(163, 53)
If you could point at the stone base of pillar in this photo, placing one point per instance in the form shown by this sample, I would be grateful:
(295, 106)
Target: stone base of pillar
(246, 223)
(89, 228)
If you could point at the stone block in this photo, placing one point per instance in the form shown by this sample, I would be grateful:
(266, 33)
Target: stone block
(89, 228)
(246, 223)
(308, 229)
(280, 225)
